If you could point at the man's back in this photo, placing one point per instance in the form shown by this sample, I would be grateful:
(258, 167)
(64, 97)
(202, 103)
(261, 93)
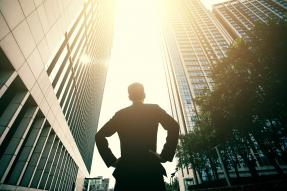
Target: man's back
(137, 127)
(139, 165)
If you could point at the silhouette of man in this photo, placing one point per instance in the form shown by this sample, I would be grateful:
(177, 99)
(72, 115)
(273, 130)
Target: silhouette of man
(139, 167)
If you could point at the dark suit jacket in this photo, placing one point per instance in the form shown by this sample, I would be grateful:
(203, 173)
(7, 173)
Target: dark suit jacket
(137, 127)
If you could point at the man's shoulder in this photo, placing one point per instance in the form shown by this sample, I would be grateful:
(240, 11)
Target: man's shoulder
(151, 105)
(123, 110)
(154, 108)
(147, 106)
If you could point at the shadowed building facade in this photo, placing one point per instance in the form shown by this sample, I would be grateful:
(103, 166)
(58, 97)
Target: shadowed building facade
(53, 66)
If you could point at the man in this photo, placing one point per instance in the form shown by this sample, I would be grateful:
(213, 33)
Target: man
(139, 167)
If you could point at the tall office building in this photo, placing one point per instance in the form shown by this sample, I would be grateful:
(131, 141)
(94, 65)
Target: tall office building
(193, 41)
(239, 16)
(53, 63)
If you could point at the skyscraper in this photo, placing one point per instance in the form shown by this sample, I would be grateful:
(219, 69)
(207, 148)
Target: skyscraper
(53, 66)
(193, 41)
(239, 16)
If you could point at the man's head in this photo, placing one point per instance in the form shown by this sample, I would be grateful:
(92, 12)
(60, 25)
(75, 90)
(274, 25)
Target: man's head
(136, 92)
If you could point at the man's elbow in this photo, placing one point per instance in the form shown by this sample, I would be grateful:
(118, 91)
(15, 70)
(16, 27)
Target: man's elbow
(173, 128)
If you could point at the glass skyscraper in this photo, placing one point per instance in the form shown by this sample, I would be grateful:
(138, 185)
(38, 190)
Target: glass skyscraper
(53, 64)
(193, 41)
(239, 16)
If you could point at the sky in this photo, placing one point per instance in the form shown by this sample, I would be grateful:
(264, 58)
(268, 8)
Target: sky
(135, 57)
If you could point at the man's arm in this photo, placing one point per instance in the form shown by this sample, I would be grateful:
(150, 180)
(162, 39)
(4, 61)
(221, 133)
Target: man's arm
(172, 127)
(102, 143)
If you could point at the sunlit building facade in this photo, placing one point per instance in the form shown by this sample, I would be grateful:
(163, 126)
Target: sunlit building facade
(53, 63)
(239, 16)
(193, 41)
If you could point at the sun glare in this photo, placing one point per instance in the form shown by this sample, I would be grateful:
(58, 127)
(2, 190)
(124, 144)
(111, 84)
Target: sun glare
(136, 54)
(136, 47)
(85, 59)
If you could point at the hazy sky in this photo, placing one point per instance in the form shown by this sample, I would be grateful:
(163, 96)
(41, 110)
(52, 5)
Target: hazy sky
(136, 57)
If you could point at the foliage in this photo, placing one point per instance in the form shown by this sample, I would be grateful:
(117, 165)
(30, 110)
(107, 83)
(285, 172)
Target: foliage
(173, 186)
(250, 83)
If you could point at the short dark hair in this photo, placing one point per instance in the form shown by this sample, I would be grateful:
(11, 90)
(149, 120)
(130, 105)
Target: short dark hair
(136, 91)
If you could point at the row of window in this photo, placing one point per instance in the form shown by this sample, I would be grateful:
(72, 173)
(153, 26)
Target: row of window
(255, 10)
(78, 75)
(31, 154)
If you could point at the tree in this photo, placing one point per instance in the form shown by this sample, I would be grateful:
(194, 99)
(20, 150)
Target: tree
(249, 93)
